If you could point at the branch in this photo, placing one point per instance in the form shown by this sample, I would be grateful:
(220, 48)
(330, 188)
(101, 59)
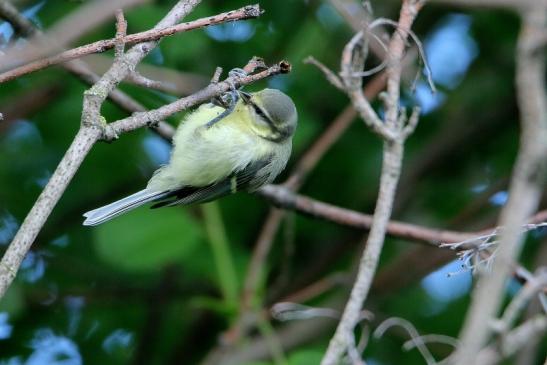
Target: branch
(350, 64)
(391, 132)
(358, 16)
(527, 183)
(283, 198)
(529, 353)
(247, 12)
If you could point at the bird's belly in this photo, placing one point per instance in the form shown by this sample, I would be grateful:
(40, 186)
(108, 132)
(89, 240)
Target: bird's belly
(201, 157)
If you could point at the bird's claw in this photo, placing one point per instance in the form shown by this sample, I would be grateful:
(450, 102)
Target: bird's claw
(237, 73)
(229, 99)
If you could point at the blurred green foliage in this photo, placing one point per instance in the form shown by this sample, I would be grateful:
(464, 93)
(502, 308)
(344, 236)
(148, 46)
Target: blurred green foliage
(157, 287)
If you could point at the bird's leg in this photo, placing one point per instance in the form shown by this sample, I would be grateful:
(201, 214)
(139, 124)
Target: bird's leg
(229, 109)
(229, 99)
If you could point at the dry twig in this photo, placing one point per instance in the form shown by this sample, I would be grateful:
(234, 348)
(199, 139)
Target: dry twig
(416, 341)
(282, 197)
(247, 12)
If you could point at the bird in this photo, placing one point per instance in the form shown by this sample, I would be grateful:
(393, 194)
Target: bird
(219, 149)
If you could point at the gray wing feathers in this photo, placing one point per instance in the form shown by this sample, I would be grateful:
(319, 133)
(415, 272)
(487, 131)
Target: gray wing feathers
(201, 195)
(103, 214)
(249, 178)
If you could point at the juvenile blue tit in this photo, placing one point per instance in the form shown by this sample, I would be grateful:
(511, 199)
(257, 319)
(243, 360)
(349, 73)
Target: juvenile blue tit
(217, 152)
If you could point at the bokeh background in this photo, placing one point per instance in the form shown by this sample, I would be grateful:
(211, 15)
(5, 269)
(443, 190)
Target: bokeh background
(145, 288)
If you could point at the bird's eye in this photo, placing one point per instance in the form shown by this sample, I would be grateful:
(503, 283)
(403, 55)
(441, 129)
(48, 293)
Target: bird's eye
(259, 112)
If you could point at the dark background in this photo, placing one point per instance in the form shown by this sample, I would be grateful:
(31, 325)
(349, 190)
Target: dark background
(144, 288)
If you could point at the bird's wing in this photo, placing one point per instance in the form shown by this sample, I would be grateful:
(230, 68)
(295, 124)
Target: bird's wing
(248, 178)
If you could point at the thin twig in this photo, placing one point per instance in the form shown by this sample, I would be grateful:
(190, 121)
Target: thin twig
(216, 75)
(247, 12)
(329, 75)
(124, 101)
(447, 340)
(284, 198)
(140, 80)
(121, 32)
(421, 52)
(289, 311)
(357, 17)
(353, 88)
(415, 337)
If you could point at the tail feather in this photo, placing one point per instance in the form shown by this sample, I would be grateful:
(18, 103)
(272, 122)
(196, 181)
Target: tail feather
(103, 214)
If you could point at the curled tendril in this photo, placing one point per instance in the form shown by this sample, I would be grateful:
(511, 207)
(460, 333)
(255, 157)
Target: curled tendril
(419, 45)
(416, 340)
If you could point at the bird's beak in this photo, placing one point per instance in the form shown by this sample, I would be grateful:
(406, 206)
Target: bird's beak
(246, 97)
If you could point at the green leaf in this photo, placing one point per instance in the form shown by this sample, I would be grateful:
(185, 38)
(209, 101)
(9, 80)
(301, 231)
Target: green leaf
(145, 240)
